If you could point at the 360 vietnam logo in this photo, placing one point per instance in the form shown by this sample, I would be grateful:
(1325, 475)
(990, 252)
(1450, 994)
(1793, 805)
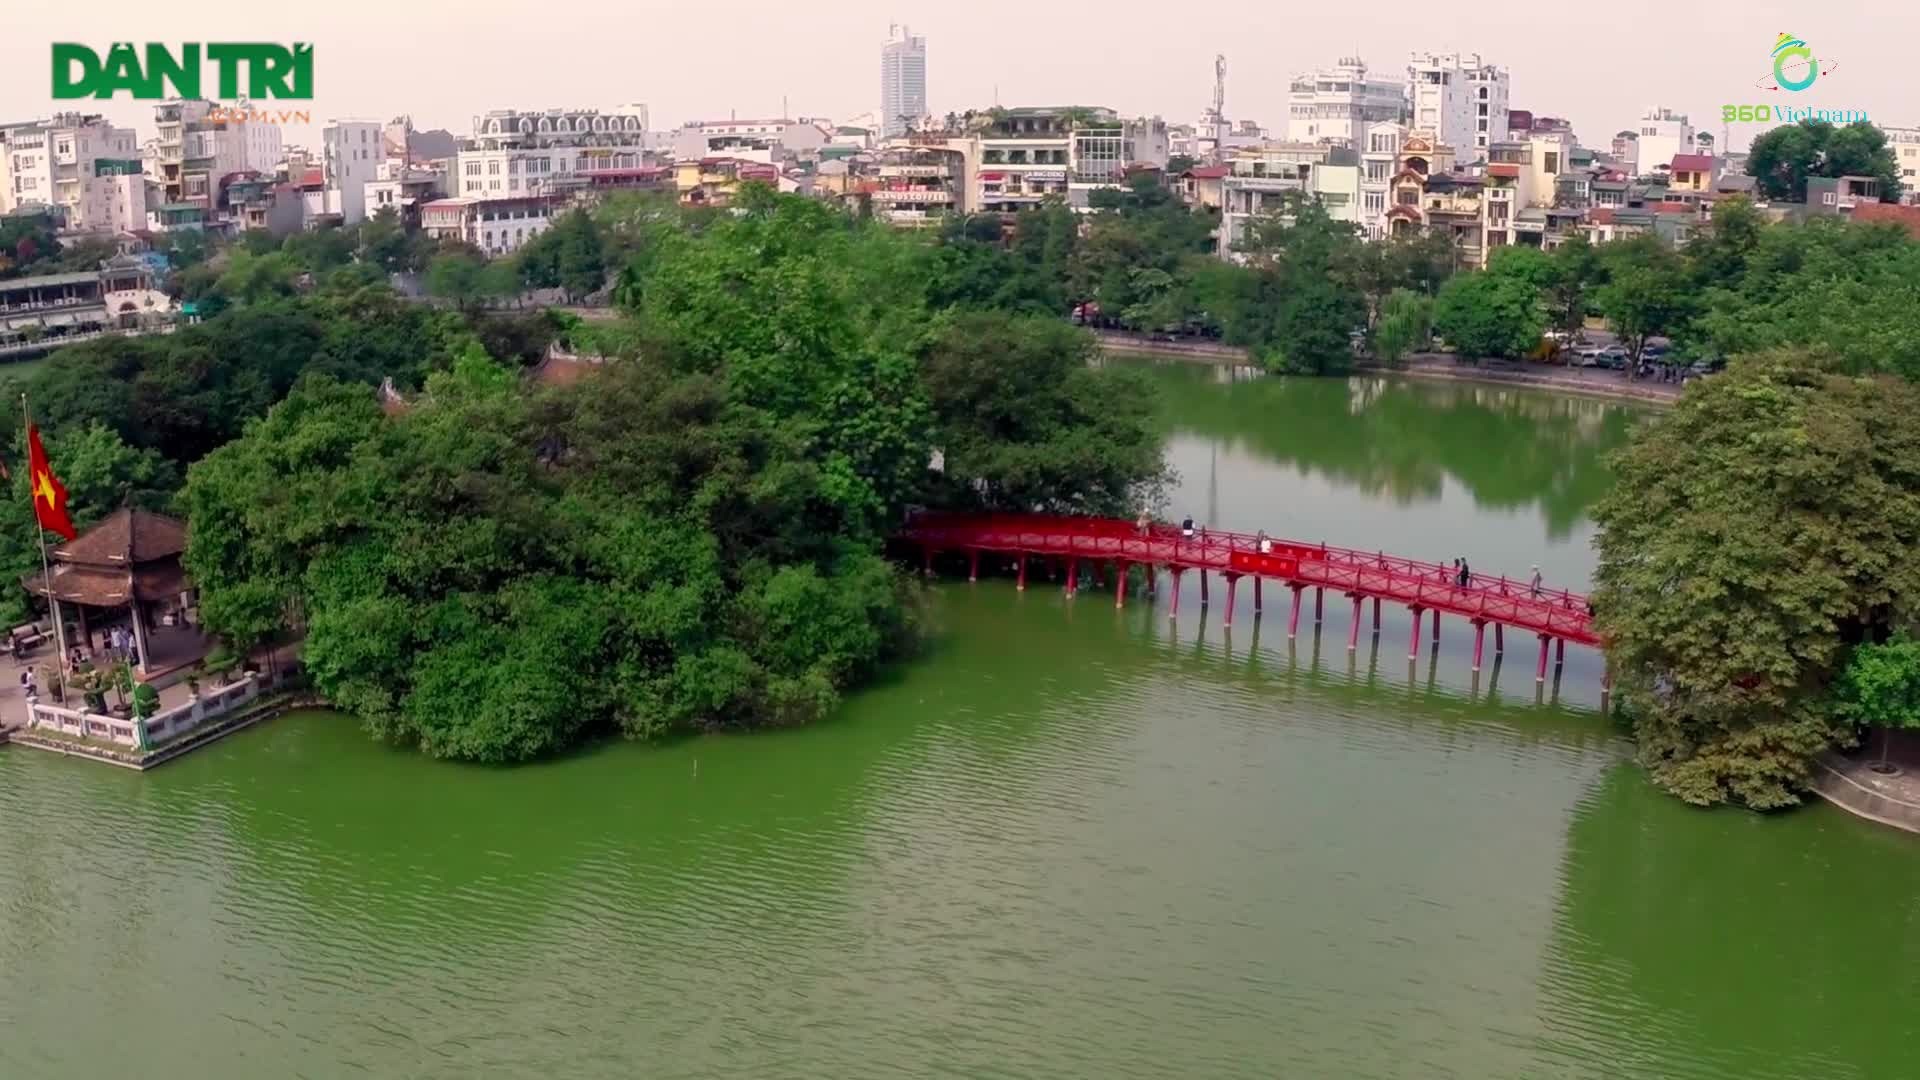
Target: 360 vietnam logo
(1794, 69)
(1794, 66)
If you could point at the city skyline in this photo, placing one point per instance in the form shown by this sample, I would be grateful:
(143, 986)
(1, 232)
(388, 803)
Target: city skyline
(421, 61)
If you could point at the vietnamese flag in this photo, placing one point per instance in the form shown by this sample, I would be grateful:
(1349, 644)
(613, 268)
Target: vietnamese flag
(49, 495)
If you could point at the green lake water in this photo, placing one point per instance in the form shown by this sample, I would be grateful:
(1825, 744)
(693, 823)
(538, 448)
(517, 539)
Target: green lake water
(1068, 842)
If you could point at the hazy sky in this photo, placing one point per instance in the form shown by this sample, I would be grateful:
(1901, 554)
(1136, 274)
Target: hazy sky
(1598, 64)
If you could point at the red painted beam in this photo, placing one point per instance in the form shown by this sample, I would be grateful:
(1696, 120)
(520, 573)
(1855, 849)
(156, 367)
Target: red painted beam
(1560, 614)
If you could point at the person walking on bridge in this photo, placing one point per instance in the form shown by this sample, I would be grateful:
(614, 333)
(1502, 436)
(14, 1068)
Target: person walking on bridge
(1536, 583)
(1144, 524)
(1266, 545)
(1186, 527)
(1466, 574)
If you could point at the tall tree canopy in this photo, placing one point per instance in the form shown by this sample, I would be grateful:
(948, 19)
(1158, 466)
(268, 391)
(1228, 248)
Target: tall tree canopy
(1768, 522)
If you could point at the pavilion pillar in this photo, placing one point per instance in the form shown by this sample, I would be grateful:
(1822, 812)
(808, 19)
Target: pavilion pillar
(139, 637)
(1559, 652)
(1173, 610)
(1499, 639)
(1073, 574)
(86, 636)
(1540, 673)
(1204, 599)
(973, 564)
(1376, 616)
(1319, 605)
(1436, 628)
(1020, 581)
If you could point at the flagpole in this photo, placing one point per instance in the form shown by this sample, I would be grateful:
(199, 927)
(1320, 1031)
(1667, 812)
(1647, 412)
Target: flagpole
(46, 572)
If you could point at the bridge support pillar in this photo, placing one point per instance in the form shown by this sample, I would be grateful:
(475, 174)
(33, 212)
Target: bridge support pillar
(1319, 605)
(1293, 620)
(1020, 576)
(1436, 628)
(926, 560)
(1256, 595)
(1353, 632)
(1233, 583)
(1560, 652)
(1120, 585)
(973, 564)
(1499, 639)
(1073, 575)
(1540, 672)
(1173, 611)
(1204, 598)
(1376, 616)
(1413, 641)
(1479, 640)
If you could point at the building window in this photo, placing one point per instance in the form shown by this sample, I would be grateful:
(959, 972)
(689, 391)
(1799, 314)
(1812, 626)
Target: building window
(1378, 170)
(1408, 197)
(1828, 198)
(1376, 202)
(1483, 93)
(493, 168)
(473, 168)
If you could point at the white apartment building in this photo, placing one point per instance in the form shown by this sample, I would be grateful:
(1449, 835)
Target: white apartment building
(1663, 133)
(351, 157)
(1905, 142)
(495, 226)
(920, 184)
(1458, 98)
(764, 141)
(1336, 105)
(80, 164)
(513, 153)
(903, 81)
(1103, 148)
(197, 149)
(1379, 160)
(1259, 180)
(1025, 155)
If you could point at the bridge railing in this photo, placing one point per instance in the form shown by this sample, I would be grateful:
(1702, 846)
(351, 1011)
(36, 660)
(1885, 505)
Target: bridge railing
(1561, 612)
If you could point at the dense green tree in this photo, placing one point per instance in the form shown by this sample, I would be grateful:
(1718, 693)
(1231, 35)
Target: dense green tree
(1646, 293)
(1489, 314)
(567, 256)
(1406, 323)
(1880, 686)
(1781, 160)
(1757, 530)
(1023, 422)
(459, 278)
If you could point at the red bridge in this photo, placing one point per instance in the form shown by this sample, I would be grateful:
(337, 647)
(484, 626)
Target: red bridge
(1555, 616)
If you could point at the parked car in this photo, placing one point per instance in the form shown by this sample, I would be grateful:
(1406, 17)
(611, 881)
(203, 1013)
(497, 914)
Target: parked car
(1614, 356)
(1587, 356)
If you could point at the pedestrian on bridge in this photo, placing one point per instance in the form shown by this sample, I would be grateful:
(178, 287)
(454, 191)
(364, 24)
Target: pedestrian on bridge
(1266, 545)
(1143, 525)
(1186, 527)
(1536, 583)
(1466, 574)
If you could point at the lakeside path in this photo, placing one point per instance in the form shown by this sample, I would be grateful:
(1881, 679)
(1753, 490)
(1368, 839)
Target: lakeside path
(1593, 382)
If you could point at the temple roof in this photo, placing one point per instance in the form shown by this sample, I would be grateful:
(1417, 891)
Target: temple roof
(126, 537)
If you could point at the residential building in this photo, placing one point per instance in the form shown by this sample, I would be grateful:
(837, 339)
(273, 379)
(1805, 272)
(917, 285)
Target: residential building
(351, 155)
(83, 168)
(1336, 105)
(716, 181)
(44, 312)
(197, 148)
(1905, 142)
(1106, 148)
(1458, 98)
(903, 81)
(1259, 181)
(1840, 194)
(1692, 173)
(1550, 156)
(1663, 133)
(918, 185)
(512, 152)
(1204, 186)
(404, 188)
(495, 226)
(1379, 161)
(1025, 155)
(261, 203)
(767, 141)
